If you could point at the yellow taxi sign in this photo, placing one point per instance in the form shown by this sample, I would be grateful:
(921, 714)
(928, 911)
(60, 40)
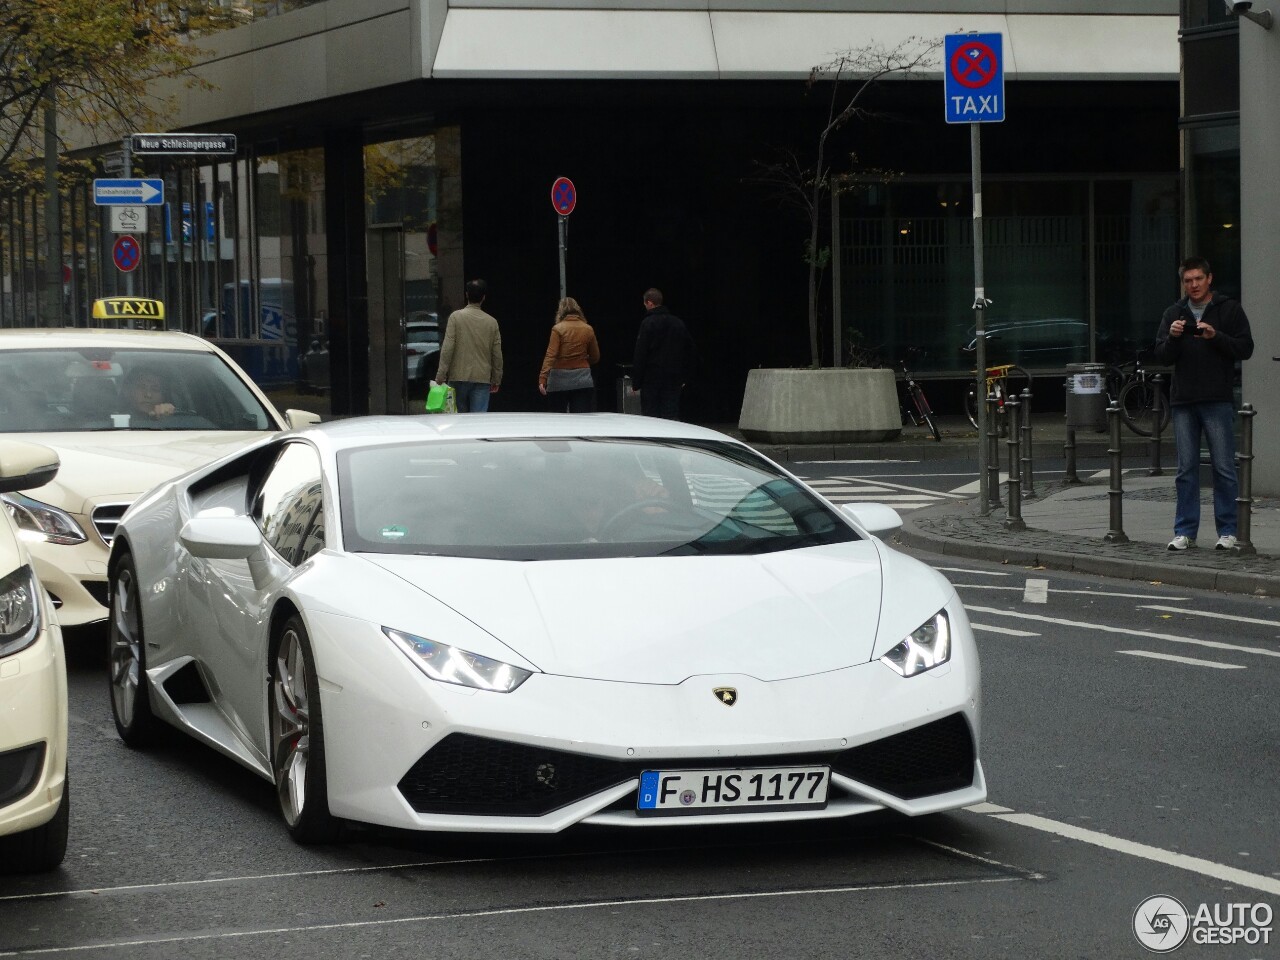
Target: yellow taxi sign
(128, 308)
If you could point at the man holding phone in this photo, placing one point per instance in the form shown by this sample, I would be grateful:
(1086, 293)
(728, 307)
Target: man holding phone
(1202, 337)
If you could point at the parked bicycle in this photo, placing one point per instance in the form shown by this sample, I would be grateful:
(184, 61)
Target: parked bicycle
(914, 405)
(1003, 380)
(1132, 386)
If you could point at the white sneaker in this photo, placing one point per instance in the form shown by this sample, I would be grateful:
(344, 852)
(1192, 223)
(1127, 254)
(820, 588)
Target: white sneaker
(1225, 542)
(1182, 543)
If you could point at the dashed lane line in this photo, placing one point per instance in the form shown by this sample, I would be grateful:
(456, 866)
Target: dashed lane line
(1190, 661)
(1208, 868)
(1103, 628)
(1207, 613)
(1005, 631)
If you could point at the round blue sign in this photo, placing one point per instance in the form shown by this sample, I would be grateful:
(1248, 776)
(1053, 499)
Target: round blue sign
(126, 253)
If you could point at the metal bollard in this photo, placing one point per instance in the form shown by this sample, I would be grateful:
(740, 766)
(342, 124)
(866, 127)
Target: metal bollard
(1244, 467)
(1028, 480)
(1116, 493)
(1069, 451)
(1157, 409)
(1013, 516)
(993, 453)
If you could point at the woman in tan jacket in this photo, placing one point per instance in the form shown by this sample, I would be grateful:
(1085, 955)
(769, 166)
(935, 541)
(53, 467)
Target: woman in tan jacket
(566, 369)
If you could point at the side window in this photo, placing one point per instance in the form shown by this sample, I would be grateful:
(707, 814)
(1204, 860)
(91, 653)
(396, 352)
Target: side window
(290, 501)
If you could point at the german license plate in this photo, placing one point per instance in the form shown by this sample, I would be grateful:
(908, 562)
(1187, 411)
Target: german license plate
(732, 790)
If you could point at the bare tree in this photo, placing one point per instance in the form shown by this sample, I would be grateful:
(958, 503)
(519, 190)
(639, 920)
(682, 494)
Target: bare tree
(805, 186)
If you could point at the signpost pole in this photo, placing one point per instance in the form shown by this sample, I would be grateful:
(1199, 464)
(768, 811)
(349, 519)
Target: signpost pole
(979, 309)
(564, 229)
(126, 144)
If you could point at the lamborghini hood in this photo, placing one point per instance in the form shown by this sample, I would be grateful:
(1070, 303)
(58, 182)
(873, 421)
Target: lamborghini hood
(664, 619)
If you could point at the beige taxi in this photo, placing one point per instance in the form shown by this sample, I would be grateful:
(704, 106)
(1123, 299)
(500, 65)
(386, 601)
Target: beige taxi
(34, 800)
(124, 410)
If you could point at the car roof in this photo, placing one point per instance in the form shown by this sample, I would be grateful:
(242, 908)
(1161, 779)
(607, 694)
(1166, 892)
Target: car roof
(374, 430)
(28, 338)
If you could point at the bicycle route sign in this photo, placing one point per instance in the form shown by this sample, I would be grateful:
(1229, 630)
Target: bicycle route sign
(973, 78)
(563, 196)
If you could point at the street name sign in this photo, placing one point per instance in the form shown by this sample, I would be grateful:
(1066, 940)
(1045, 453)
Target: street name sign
(973, 77)
(128, 192)
(201, 144)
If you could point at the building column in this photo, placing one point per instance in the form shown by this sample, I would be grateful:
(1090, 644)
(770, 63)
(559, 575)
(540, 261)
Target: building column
(348, 285)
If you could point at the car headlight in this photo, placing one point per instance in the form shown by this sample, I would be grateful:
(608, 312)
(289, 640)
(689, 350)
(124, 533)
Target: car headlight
(439, 661)
(19, 611)
(928, 646)
(56, 526)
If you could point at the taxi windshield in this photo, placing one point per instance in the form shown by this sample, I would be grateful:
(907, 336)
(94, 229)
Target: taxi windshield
(79, 389)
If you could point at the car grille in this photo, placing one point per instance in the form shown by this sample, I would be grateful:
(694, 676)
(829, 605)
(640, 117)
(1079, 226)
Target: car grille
(478, 776)
(106, 517)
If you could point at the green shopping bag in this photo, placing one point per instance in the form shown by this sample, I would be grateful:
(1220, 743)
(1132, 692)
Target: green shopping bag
(441, 398)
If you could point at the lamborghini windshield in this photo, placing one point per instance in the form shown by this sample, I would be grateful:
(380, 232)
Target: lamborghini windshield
(542, 499)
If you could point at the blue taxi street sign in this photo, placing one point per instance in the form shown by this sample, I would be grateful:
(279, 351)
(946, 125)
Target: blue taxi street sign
(973, 77)
(128, 192)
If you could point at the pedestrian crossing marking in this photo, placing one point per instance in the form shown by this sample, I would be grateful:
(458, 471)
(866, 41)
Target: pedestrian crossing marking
(848, 489)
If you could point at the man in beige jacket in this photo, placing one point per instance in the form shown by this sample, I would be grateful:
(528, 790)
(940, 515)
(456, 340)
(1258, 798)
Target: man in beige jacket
(471, 356)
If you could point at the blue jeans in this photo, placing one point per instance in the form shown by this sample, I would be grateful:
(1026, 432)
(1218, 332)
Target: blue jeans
(472, 397)
(1217, 422)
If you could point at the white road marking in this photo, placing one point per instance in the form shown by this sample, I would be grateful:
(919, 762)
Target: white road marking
(1036, 591)
(989, 808)
(1188, 660)
(1083, 593)
(977, 573)
(1213, 644)
(1007, 631)
(969, 489)
(1215, 616)
(1208, 868)
(232, 935)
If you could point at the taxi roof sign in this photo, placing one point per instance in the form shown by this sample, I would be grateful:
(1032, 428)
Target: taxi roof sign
(128, 309)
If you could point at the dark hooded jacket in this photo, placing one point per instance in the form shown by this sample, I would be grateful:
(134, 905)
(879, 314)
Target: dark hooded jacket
(1204, 369)
(664, 351)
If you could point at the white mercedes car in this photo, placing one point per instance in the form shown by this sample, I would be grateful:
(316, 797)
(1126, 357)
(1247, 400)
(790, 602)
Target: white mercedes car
(34, 799)
(517, 623)
(77, 392)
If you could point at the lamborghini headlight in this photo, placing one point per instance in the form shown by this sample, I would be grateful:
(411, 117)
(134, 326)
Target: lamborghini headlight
(19, 611)
(925, 648)
(54, 525)
(439, 661)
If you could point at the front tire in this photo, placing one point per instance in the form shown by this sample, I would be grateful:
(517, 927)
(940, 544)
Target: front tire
(127, 660)
(297, 738)
(41, 848)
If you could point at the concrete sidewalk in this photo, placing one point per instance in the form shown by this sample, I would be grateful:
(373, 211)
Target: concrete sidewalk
(1067, 523)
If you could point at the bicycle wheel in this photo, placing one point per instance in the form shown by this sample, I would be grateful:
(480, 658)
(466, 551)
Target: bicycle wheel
(1113, 382)
(1137, 408)
(925, 411)
(971, 408)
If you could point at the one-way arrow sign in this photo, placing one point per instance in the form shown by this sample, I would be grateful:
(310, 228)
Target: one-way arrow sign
(111, 193)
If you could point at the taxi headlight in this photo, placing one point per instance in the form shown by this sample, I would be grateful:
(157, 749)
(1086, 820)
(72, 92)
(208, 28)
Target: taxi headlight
(19, 611)
(439, 661)
(56, 526)
(926, 647)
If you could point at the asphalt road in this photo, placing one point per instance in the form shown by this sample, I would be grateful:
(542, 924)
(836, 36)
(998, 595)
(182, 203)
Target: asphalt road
(1129, 745)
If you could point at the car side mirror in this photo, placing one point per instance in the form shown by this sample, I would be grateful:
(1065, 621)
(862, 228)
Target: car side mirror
(875, 518)
(234, 537)
(25, 466)
(297, 419)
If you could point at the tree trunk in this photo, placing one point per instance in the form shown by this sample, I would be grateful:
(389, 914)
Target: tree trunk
(51, 303)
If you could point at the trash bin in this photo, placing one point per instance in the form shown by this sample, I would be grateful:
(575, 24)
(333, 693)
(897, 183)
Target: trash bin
(1087, 396)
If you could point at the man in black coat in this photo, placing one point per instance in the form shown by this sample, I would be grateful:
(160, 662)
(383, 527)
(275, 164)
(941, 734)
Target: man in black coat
(663, 359)
(1202, 336)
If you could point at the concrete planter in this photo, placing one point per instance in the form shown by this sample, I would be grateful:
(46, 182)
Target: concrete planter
(837, 405)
